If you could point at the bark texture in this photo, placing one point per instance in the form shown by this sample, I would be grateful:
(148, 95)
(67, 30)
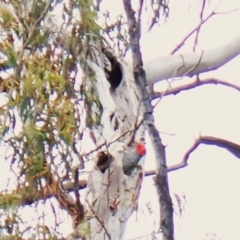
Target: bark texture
(166, 225)
(112, 196)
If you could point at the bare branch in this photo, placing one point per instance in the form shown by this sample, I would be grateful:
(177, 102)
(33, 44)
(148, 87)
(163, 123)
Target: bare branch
(219, 142)
(43, 194)
(194, 84)
(201, 20)
(36, 195)
(165, 67)
(197, 28)
(208, 140)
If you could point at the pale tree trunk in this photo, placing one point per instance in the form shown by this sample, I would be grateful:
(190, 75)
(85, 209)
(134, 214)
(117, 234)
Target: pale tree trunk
(112, 196)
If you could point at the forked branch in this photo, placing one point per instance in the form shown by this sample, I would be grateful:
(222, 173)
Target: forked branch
(219, 142)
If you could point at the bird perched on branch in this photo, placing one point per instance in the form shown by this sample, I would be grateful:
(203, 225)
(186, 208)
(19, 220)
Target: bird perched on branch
(133, 155)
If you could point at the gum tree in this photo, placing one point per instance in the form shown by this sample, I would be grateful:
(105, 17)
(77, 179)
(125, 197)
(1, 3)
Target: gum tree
(70, 97)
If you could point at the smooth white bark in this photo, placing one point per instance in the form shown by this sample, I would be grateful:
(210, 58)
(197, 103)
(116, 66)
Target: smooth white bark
(113, 188)
(189, 64)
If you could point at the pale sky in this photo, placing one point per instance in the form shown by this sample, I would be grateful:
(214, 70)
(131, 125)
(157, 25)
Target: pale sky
(211, 181)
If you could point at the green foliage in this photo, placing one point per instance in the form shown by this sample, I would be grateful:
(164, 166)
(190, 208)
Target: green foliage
(41, 117)
(9, 201)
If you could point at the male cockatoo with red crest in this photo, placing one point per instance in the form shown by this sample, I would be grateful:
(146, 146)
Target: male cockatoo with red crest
(132, 156)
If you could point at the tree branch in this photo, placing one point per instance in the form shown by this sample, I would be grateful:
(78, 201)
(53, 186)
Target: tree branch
(44, 194)
(69, 187)
(197, 28)
(194, 84)
(183, 65)
(219, 142)
(28, 198)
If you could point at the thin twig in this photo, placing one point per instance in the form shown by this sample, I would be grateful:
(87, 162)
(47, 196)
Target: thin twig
(98, 219)
(198, 30)
(194, 30)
